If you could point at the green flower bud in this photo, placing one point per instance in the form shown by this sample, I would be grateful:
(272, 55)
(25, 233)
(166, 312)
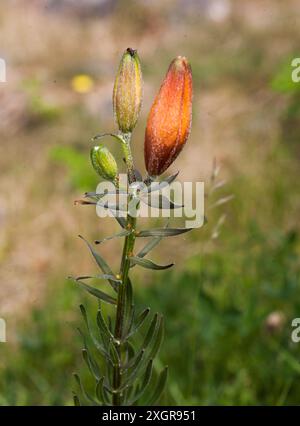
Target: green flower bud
(127, 94)
(104, 162)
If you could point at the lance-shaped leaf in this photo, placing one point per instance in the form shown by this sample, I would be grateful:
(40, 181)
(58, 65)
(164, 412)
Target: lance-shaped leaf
(99, 195)
(119, 218)
(148, 264)
(160, 202)
(91, 363)
(162, 232)
(151, 331)
(159, 388)
(103, 326)
(95, 292)
(144, 384)
(85, 394)
(101, 393)
(147, 341)
(139, 321)
(158, 339)
(95, 341)
(100, 277)
(114, 208)
(119, 235)
(101, 263)
(99, 390)
(114, 353)
(149, 246)
(157, 186)
(137, 367)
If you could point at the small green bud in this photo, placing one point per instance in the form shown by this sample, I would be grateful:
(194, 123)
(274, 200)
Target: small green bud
(104, 162)
(127, 93)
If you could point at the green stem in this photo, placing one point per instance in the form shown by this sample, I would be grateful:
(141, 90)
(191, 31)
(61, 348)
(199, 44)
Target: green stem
(124, 270)
(126, 137)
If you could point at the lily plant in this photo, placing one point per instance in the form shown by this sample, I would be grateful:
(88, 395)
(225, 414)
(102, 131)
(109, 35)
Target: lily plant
(129, 339)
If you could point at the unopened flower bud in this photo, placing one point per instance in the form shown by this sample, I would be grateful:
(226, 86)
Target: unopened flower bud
(104, 162)
(170, 118)
(127, 94)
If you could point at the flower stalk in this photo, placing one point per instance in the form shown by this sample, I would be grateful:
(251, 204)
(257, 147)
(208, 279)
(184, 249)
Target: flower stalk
(124, 271)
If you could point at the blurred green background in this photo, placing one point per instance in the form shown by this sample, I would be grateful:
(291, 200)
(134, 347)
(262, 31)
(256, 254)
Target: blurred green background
(235, 289)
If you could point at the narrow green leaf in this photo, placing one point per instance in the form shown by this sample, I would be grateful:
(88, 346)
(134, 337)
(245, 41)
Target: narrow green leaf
(162, 232)
(101, 263)
(119, 235)
(148, 264)
(160, 202)
(91, 363)
(157, 186)
(100, 277)
(100, 393)
(145, 383)
(162, 380)
(158, 339)
(149, 246)
(97, 293)
(96, 342)
(151, 331)
(83, 391)
(103, 326)
(139, 321)
(114, 353)
(138, 365)
(121, 221)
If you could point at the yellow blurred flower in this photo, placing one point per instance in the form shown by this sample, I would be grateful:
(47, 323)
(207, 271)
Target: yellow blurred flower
(82, 83)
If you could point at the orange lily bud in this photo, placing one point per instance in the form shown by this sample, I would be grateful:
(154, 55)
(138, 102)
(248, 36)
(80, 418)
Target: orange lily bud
(127, 94)
(170, 118)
